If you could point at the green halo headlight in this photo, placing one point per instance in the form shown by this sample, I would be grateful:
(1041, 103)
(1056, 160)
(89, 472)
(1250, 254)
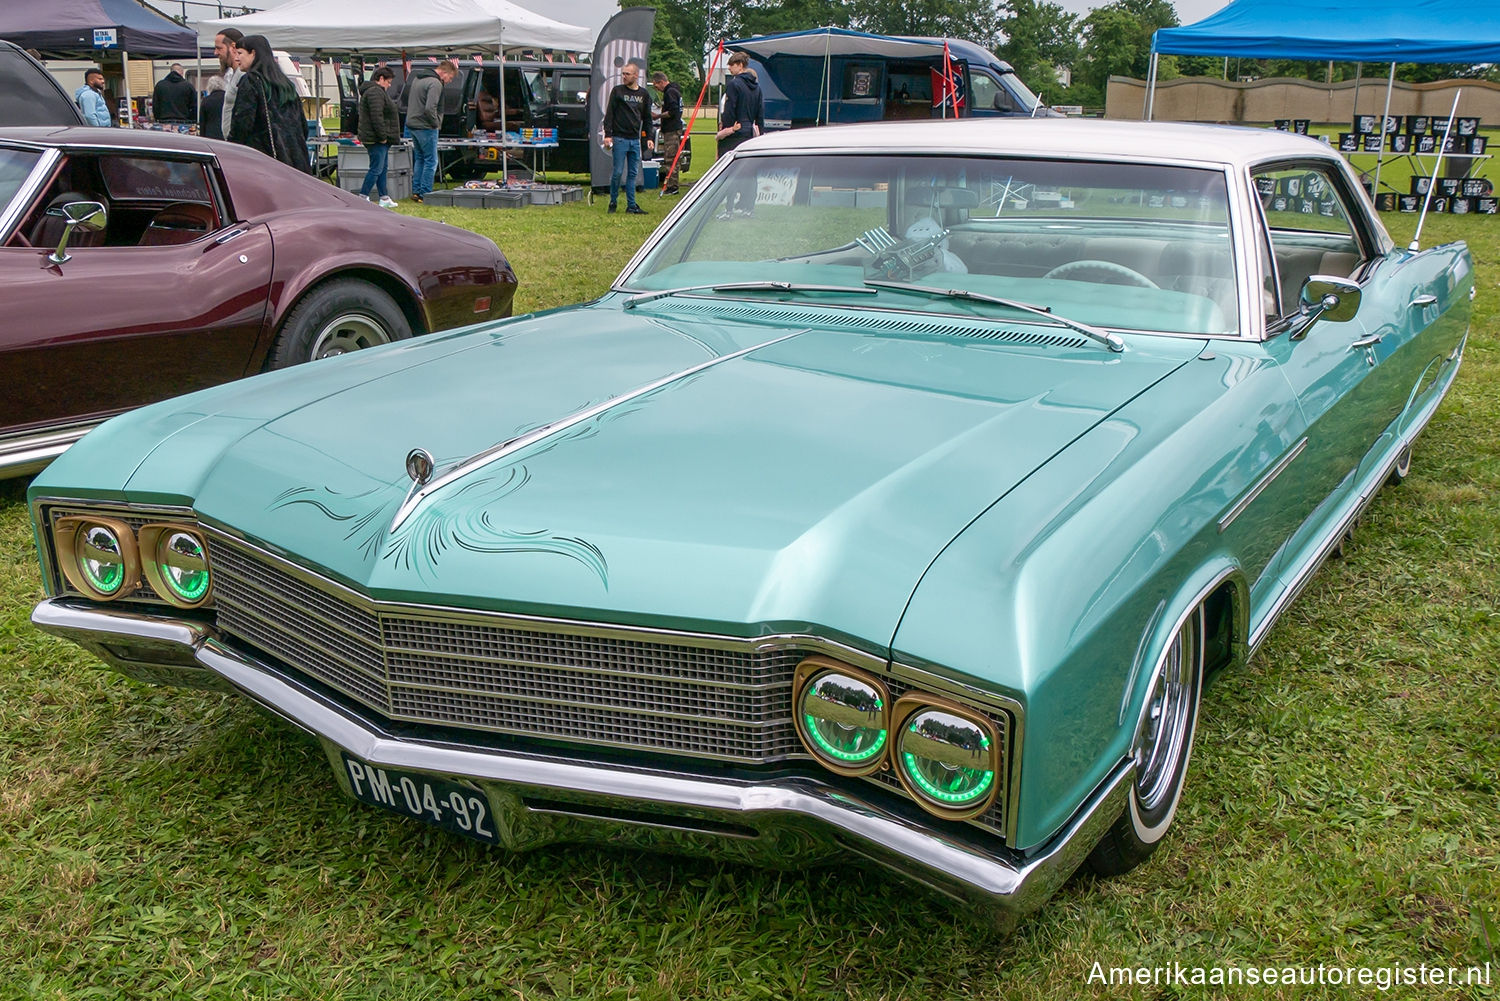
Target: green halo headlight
(101, 558)
(174, 558)
(948, 760)
(842, 717)
(184, 565)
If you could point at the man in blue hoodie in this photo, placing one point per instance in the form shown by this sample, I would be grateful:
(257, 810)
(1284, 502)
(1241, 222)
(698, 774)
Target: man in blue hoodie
(90, 98)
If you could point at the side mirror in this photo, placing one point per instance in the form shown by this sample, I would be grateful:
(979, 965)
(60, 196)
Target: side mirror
(1325, 297)
(89, 215)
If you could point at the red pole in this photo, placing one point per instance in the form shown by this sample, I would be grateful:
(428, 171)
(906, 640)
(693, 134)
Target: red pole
(687, 135)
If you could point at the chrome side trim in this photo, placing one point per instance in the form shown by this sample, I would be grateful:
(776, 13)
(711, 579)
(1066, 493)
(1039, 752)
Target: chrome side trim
(1260, 485)
(31, 451)
(1364, 498)
(420, 491)
(1005, 884)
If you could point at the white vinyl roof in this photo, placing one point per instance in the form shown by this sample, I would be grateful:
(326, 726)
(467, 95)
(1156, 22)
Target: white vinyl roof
(1217, 144)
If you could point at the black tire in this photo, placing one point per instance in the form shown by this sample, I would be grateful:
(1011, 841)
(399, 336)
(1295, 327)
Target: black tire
(339, 316)
(1163, 745)
(1401, 469)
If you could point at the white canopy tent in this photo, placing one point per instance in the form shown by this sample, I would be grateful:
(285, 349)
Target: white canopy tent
(415, 26)
(394, 26)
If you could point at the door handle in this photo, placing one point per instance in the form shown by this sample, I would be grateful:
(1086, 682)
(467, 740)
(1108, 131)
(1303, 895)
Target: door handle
(1423, 300)
(1367, 342)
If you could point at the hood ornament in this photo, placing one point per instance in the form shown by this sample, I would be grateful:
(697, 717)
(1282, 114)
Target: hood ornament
(419, 466)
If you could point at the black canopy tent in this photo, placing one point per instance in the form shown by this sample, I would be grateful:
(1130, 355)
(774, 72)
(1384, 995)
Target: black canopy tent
(66, 29)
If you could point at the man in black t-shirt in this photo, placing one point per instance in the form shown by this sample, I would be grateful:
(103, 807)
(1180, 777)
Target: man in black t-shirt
(669, 129)
(627, 120)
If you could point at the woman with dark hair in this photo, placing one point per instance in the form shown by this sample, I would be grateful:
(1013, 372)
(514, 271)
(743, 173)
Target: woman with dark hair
(267, 114)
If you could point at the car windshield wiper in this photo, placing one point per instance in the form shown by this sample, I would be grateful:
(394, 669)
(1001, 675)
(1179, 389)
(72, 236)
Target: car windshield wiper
(1112, 341)
(766, 286)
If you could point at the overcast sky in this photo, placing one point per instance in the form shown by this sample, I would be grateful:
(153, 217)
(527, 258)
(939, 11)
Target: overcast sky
(1188, 11)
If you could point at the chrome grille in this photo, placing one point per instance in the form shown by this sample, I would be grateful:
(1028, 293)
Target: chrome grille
(721, 699)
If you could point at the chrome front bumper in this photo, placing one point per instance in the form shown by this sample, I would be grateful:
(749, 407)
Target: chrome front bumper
(785, 820)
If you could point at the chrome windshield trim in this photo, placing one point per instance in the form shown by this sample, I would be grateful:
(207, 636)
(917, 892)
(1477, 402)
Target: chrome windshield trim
(15, 210)
(1260, 485)
(421, 491)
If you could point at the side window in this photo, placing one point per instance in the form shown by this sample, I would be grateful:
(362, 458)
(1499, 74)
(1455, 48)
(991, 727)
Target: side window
(986, 94)
(1310, 228)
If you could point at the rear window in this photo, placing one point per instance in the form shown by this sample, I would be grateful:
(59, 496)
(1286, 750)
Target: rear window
(131, 178)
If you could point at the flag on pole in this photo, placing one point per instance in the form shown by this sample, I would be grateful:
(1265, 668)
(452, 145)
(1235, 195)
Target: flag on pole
(948, 86)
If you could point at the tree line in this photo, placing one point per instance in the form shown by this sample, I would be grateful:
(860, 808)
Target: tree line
(1035, 36)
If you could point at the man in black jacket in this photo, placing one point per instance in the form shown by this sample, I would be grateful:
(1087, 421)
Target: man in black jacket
(743, 118)
(627, 120)
(668, 129)
(174, 99)
(379, 128)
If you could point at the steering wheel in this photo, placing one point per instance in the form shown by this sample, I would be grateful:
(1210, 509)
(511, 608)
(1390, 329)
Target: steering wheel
(1114, 274)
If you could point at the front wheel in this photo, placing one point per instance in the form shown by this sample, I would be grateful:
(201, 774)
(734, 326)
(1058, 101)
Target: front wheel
(1163, 744)
(335, 318)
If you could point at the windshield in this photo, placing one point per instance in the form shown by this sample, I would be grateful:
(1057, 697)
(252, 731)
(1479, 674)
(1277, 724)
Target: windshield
(1029, 101)
(15, 166)
(1129, 246)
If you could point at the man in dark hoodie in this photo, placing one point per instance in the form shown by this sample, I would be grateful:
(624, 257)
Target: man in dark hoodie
(174, 99)
(743, 118)
(424, 114)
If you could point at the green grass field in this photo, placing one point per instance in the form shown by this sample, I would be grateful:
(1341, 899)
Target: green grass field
(1341, 808)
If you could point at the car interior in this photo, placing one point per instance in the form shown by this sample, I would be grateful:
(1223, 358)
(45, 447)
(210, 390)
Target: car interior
(149, 203)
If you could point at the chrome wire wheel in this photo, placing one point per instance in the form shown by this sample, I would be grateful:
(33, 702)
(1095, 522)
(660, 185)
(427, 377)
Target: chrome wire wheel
(1159, 743)
(1164, 736)
(348, 332)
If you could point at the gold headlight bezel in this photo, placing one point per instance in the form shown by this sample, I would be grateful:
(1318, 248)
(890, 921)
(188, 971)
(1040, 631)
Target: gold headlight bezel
(913, 703)
(65, 540)
(149, 538)
(808, 671)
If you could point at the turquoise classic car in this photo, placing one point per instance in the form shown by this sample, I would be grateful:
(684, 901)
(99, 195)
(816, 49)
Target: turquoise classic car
(894, 503)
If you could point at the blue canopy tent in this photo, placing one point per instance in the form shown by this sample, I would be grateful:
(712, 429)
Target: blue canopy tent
(1357, 31)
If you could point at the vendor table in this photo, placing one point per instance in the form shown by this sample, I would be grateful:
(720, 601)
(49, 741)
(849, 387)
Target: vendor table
(492, 150)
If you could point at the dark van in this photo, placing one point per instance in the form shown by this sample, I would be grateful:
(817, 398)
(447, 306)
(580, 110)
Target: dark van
(836, 76)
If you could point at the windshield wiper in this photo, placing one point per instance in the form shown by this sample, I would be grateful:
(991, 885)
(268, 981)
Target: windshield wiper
(765, 286)
(1112, 341)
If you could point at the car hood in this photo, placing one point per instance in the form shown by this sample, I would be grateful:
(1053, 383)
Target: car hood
(727, 474)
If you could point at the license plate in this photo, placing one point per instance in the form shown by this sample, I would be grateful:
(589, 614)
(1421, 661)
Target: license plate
(444, 804)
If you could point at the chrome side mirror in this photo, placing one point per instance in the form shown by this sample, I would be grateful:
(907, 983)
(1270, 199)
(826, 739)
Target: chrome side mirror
(89, 215)
(1325, 297)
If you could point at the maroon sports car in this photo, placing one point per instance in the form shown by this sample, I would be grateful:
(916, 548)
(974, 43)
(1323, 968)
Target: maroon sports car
(140, 265)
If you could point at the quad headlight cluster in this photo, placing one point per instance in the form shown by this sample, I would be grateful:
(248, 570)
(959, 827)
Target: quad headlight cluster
(947, 756)
(105, 559)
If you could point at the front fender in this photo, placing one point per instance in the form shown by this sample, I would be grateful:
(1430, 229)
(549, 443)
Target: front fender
(1065, 592)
